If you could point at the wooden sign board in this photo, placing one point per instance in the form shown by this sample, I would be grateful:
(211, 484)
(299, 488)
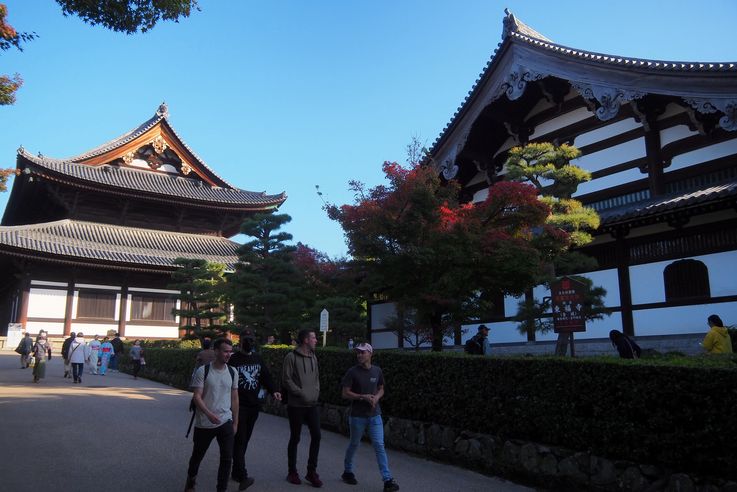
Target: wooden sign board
(567, 300)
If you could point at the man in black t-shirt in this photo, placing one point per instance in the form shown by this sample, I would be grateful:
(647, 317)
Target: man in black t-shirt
(363, 384)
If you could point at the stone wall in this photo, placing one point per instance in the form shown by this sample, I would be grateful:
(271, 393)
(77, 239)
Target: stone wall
(547, 466)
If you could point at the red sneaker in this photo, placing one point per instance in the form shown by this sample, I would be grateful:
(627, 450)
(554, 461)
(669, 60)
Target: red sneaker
(313, 478)
(293, 477)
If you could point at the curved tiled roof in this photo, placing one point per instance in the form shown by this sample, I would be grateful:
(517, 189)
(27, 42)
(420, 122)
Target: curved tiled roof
(162, 115)
(516, 31)
(92, 242)
(670, 203)
(163, 185)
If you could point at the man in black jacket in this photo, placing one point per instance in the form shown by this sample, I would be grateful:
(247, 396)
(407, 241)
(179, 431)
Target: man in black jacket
(476, 345)
(119, 350)
(65, 354)
(253, 380)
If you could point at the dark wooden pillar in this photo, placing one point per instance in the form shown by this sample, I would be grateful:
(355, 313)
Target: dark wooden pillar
(623, 275)
(654, 160)
(123, 309)
(529, 298)
(24, 297)
(68, 310)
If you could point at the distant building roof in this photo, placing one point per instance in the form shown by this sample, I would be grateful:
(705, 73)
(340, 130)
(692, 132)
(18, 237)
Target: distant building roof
(142, 181)
(646, 211)
(110, 246)
(607, 81)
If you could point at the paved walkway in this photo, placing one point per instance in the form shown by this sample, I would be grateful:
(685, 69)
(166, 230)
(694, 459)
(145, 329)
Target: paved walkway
(114, 433)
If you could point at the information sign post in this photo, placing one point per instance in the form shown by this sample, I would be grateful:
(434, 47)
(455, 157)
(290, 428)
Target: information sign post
(567, 299)
(324, 324)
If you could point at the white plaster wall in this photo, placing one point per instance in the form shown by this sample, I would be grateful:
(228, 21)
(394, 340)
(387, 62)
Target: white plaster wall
(383, 340)
(609, 181)
(381, 313)
(648, 285)
(604, 132)
(675, 133)
(47, 303)
(92, 329)
(715, 151)
(133, 331)
(681, 320)
(510, 304)
(47, 283)
(560, 122)
(611, 156)
(53, 328)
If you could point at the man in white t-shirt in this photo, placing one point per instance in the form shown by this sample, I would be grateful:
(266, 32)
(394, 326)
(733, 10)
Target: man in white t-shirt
(216, 399)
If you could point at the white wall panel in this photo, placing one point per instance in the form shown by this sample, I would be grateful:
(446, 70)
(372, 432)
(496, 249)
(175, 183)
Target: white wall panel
(47, 303)
(722, 273)
(52, 328)
(683, 319)
(612, 156)
(697, 156)
(134, 331)
(646, 283)
(92, 329)
(602, 133)
(511, 303)
(675, 133)
(480, 195)
(562, 121)
(384, 340)
(381, 313)
(610, 281)
(50, 284)
(609, 181)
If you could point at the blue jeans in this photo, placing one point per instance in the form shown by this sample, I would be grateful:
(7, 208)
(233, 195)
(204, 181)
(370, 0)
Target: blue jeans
(375, 428)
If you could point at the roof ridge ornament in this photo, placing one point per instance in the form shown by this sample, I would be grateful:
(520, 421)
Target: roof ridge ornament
(163, 110)
(511, 24)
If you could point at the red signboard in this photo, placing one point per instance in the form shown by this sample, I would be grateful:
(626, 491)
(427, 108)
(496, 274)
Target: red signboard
(567, 299)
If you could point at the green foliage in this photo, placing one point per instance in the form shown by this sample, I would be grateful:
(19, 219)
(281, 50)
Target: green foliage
(128, 16)
(668, 411)
(266, 288)
(201, 286)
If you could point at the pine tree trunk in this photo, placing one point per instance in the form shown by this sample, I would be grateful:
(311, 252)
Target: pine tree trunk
(437, 332)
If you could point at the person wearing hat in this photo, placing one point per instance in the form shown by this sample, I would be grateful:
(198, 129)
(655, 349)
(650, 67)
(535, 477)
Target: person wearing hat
(253, 379)
(476, 345)
(363, 384)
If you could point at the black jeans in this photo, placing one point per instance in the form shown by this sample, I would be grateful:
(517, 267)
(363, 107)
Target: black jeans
(202, 439)
(136, 367)
(297, 417)
(77, 371)
(247, 417)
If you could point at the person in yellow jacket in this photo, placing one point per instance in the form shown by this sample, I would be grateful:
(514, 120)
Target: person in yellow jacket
(717, 341)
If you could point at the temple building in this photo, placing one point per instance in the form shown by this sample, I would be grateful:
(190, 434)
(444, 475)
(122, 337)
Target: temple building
(88, 243)
(660, 139)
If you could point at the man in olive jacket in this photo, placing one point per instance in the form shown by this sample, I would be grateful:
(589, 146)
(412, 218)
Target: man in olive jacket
(301, 383)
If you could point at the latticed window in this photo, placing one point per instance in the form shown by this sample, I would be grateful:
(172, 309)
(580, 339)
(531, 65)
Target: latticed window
(686, 279)
(152, 308)
(96, 304)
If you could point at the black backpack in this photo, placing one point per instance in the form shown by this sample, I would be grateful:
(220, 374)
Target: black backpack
(473, 346)
(192, 406)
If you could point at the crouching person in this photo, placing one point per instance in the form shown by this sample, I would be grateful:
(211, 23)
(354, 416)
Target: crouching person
(215, 395)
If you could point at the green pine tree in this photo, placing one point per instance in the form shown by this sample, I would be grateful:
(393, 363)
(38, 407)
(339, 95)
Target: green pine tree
(266, 289)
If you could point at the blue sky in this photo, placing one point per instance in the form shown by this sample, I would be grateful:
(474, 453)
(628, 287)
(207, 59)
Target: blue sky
(286, 95)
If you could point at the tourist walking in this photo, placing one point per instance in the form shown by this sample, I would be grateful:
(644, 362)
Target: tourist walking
(136, 354)
(253, 380)
(363, 385)
(24, 349)
(301, 382)
(94, 346)
(118, 350)
(106, 353)
(41, 353)
(65, 354)
(215, 395)
(477, 344)
(78, 354)
(717, 340)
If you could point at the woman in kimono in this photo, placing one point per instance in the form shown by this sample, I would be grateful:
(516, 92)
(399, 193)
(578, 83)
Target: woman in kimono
(94, 346)
(41, 350)
(106, 352)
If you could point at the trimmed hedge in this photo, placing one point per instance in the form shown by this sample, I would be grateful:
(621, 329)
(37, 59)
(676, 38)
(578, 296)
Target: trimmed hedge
(656, 412)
